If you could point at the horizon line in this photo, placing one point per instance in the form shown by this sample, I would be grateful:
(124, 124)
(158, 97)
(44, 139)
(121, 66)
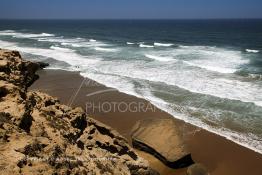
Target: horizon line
(131, 18)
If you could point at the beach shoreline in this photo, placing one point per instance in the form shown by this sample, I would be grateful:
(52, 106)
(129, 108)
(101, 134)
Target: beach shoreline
(219, 155)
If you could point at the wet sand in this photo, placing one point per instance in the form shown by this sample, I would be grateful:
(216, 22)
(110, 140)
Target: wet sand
(219, 155)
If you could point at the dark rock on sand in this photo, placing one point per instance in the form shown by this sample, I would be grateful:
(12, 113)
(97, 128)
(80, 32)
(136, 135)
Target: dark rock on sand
(38, 135)
(197, 169)
(42, 65)
(162, 138)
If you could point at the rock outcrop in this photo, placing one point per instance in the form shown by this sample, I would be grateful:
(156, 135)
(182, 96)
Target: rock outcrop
(162, 138)
(38, 135)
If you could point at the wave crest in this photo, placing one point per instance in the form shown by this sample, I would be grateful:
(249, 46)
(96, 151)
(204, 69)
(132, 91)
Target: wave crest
(163, 44)
(129, 43)
(158, 58)
(105, 49)
(24, 35)
(252, 51)
(145, 46)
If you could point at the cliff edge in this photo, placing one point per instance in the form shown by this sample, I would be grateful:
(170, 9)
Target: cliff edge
(38, 135)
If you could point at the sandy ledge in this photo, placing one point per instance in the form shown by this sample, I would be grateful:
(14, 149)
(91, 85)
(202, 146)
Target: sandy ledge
(219, 155)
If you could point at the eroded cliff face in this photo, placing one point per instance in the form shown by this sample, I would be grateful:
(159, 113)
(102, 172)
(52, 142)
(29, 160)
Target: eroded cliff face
(38, 135)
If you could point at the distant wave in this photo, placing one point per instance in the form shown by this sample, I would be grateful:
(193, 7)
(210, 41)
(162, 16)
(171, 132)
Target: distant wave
(129, 43)
(7, 31)
(163, 44)
(184, 47)
(57, 53)
(212, 68)
(61, 39)
(61, 49)
(72, 44)
(252, 51)
(105, 49)
(145, 46)
(159, 58)
(47, 37)
(212, 58)
(24, 35)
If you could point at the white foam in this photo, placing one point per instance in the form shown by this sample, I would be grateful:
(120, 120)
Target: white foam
(74, 42)
(32, 35)
(187, 78)
(7, 31)
(183, 47)
(159, 58)
(163, 44)
(81, 43)
(129, 43)
(252, 51)
(211, 58)
(255, 76)
(24, 35)
(117, 79)
(61, 49)
(61, 40)
(247, 140)
(7, 45)
(61, 54)
(145, 46)
(211, 68)
(105, 49)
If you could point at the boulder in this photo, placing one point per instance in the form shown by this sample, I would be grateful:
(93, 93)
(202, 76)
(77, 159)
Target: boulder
(163, 139)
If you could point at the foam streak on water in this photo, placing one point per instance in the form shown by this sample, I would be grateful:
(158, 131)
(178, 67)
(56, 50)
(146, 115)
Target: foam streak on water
(23, 35)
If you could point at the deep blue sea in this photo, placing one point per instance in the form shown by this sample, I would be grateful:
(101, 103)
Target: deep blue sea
(205, 72)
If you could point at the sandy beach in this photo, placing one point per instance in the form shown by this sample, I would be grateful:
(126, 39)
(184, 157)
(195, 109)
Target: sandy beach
(219, 155)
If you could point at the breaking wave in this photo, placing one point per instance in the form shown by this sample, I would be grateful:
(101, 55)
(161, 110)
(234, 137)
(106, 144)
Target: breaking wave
(24, 35)
(252, 51)
(159, 58)
(145, 46)
(163, 44)
(105, 49)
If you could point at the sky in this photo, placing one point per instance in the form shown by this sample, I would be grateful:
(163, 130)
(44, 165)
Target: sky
(129, 9)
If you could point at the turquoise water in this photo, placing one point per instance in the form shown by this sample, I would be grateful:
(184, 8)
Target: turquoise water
(207, 73)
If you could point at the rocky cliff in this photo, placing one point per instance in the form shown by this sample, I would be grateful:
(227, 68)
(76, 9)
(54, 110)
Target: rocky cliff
(38, 135)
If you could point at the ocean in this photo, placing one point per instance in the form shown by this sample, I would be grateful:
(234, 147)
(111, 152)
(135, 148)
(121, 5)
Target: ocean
(205, 72)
